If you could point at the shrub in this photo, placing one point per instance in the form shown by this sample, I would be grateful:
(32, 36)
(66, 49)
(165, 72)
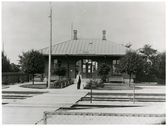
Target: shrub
(5, 83)
(149, 78)
(103, 72)
(63, 83)
(161, 81)
(94, 83)
(60, 71)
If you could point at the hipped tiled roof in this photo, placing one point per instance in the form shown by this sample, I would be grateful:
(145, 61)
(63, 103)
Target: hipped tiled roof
(86, 47)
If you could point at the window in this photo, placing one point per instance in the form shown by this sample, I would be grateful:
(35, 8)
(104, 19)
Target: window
(94, 66)
(114, 61)
(89, 68)
(115, 67)
(84, 68)
(57, 63)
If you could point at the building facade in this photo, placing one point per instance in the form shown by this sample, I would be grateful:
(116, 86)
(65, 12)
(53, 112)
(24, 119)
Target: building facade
(84, 55)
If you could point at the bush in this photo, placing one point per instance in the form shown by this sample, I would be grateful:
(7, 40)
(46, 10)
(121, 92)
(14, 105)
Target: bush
(94, 83)
(5, 83)
(161, 81)
(63, 83)
(103, 72)
(60, 71)
(148, 78)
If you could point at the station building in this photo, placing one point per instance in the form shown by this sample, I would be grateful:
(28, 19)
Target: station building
(85, 55)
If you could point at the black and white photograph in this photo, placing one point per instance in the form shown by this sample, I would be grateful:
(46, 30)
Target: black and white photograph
(83, 62)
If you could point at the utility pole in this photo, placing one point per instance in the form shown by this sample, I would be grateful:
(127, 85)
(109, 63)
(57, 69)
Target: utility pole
(50, 47)
(3, 46)
(71, 30)
(133, 93)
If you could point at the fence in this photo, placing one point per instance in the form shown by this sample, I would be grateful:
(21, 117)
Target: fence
(14, 77)
(62, 117)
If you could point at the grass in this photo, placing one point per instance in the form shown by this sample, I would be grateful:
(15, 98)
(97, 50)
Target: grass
(35, 86)
(38, 86)
(148, 84)
(118, 87)
(5, 86)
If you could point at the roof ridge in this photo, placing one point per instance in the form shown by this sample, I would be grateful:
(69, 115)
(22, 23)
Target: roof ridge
(61, 42)
(82, 39)
(118, 44)
(56, 44)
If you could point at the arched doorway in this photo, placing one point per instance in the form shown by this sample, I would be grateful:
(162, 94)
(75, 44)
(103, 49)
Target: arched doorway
(87, 67)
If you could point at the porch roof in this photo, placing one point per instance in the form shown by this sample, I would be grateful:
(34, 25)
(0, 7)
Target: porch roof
(86, 47)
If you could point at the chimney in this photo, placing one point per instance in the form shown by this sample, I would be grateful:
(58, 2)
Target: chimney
(75, 35)
(104, 35)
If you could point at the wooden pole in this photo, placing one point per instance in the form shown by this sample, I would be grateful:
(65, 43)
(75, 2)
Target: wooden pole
(91, 94)
(133, 93)
(50, 48)
(71, 30)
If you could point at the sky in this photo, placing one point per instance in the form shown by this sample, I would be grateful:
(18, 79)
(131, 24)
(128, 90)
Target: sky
(26, 25)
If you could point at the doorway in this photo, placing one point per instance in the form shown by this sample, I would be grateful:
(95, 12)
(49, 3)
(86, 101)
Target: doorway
(87, 67)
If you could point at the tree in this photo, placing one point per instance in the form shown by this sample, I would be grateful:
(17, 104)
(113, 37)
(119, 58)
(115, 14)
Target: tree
(7, 66)
(160, 66)
(60, 71)
(14, 67)
(148, 51)
(5, 63)
(131, 64)
(128, 45)
(103, 72)
(32, 62)
(149, 62)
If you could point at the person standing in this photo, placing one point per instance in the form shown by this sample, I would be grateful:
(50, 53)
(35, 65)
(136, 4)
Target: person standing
(79, 79)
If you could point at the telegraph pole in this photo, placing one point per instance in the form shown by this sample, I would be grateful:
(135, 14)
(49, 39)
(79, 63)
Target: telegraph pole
(50, 47)
(3, 47)
(71, 30)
